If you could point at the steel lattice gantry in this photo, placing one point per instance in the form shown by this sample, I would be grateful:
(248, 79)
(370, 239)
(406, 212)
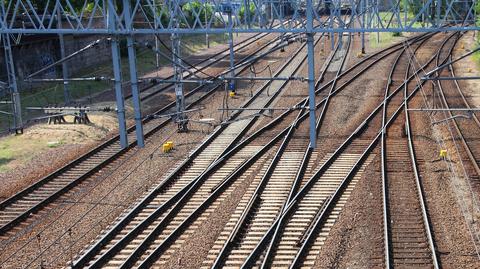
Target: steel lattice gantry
(127, 18)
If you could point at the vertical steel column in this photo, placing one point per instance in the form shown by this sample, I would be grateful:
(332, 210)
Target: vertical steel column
(182, 120)
(362, 10)
(378, 20)
(155, 21)
(117, 73)
(333, 9)
(231, 83)
(13, 87)
(311, 74)
(247, 12)
(439, 10)
(207, 41)
(12, 78)
(133, 76)
(66, 92)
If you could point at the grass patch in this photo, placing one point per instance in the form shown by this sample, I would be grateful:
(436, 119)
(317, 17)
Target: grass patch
(476, 57)
(385, 39)
(54, 144)
(18, 148)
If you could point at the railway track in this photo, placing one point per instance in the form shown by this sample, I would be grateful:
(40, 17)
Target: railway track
(466, 127)
(266, 197)
(151, 89)
(260, 95)
(32, 199)
(165, 232)
(408, 240)
(299, 231)
(119, 248)
(158, 242)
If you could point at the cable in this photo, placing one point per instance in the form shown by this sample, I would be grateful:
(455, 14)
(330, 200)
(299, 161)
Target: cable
(89, 46)
(177, 56)
(452, 170)
(95, 204)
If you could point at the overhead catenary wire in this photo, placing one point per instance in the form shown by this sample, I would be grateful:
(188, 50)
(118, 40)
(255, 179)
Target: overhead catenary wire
(89, 46)
(448, 163)
(95, 204)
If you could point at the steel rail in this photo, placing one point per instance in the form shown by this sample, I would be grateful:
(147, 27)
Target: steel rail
(386, 215)
(261, 186)
(228, 151)
(255, 197)
(280, 220)
(195, 185)
(346, 72)
(463, 141)
(104, 145)
(420, 191)
(336, 196)
(383, 152)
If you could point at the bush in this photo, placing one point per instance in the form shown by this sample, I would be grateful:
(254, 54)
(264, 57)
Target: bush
(164, 16)
(242, 14)
(204, 11)
(161, 11)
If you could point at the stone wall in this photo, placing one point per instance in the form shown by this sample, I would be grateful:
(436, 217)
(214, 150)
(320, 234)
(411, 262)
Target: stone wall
(35, 52)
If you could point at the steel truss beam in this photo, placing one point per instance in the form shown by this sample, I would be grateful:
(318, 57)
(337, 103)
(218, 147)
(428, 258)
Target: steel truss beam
(35, 17)
(127, 18)
(12, 79)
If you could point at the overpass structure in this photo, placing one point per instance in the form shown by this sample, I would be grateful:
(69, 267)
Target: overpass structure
(125, 19)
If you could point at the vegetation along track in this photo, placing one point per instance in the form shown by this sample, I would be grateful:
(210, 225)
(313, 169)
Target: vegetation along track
(152, 239)
(33, 198)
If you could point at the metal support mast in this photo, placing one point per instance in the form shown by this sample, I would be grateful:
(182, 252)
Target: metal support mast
(182, 120)
(363, 10)
(231, 83)
(311, 74)
(66, 92)
(12, 80)
(117, 73)
(133, 78)
(157, 45)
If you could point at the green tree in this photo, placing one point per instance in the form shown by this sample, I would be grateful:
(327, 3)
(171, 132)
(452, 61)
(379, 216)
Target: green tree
(204, 11)
(242, 14)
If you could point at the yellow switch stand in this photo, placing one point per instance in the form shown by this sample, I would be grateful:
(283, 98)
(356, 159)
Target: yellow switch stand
(167, 146)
